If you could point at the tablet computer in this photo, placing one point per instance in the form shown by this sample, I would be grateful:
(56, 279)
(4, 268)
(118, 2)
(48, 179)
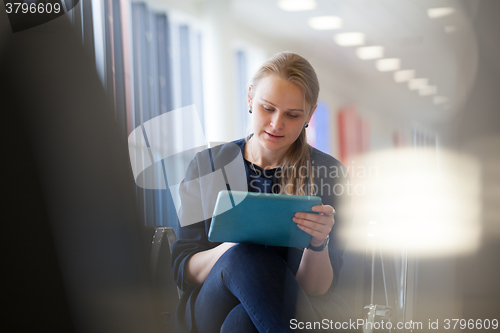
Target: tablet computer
(261, 218)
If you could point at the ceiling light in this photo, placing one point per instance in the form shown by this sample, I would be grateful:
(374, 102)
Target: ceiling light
(325, 22)
(387, 65)
(403, 76)
(350, 38)
(440, 99)
(426, 91)
(296, 5)
(370, 52)
(440, 12)
(416, 84)
(449, 29)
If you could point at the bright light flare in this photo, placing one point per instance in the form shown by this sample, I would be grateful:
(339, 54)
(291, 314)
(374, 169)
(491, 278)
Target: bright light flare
(427, 91)
(388, 65)
(370, 52)
(440, 12)
(296, 5)
(325, 22)
(426, 201)
(416, 84)
(349, 38)
(404, 75)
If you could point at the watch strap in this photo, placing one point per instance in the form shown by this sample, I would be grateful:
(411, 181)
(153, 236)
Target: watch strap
(321, 247)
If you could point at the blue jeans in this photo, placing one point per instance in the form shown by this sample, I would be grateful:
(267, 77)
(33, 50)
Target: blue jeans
(251, 289)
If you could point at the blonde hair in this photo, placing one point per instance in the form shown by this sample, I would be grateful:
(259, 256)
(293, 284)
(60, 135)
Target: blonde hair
(294, 68)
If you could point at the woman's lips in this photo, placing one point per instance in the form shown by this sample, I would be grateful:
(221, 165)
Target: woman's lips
(273, 137)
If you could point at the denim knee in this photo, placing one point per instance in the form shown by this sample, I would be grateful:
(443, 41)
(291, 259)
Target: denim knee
(251, 256)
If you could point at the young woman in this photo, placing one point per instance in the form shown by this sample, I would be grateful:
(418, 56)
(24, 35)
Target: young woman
(231, 287)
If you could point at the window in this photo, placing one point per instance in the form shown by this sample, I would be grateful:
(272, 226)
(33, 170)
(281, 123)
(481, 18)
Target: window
(149, 61)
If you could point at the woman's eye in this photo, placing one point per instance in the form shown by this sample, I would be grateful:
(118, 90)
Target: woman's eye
(293, 116)
(267, 109)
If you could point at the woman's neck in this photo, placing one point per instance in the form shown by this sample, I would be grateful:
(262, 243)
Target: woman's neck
(260, 156)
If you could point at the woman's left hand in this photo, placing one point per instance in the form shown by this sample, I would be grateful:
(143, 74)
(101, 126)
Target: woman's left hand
(316, 225)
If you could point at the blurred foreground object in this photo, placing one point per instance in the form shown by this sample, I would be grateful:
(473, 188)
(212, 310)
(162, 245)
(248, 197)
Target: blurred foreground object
(72, 240)
(424, 200)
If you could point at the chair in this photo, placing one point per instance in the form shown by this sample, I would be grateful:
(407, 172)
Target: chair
(159, 241)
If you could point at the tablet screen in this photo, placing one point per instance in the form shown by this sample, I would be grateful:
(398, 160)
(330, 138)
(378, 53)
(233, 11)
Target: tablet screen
(261, 218)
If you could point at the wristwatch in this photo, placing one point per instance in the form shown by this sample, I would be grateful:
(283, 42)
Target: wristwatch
(321, 247)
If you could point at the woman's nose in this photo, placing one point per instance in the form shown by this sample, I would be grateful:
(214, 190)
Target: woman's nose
(277, 122)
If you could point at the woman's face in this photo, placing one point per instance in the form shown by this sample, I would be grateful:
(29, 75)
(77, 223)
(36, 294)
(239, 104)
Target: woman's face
(279, 113)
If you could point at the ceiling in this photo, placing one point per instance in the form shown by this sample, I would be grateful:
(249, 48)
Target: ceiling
(403, 28)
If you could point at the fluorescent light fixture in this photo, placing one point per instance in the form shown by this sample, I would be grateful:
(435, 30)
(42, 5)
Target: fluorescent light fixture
(370, 52)
(440, 99)
(296, 5)
(388, 65)
(349, 38)
(449, 29)
(440, 12)
(416, 84)
(405, 75)
(325, 22)
(426, 91)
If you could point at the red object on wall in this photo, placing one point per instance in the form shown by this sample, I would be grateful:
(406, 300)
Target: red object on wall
(398, 139)
(354, 133)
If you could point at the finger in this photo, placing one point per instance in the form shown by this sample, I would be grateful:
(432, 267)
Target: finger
(313, 217)
(322, 219)
(322, 228)
(324, 209)
(311, 232)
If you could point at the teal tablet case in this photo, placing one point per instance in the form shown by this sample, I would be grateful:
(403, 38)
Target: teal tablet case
(261, 218)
